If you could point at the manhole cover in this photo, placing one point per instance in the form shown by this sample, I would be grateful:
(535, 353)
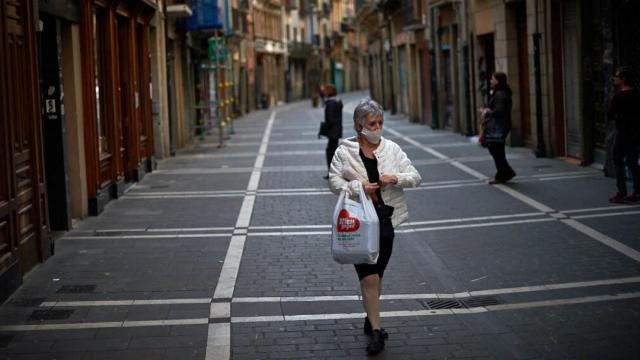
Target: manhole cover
(76, 289)
(480, 301)
(50, 314)
(5, 340)
(26, 302)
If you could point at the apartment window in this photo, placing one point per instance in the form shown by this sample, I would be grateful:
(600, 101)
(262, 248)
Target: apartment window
(288, 30)
(295, 34)
(302, 35)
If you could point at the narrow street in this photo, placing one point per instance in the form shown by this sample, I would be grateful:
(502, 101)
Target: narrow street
(224, 253)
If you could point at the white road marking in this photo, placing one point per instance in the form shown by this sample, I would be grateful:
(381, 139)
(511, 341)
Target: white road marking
(616, 207)
(328, 298)
(219, 334)
(604, 239)
(412, 313)
(621, 213)
(152, 236)
(108, 324)
(524, 198)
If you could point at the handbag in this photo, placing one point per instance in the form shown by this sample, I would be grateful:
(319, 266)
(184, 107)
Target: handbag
(355, 231)
(494, 132)
(324, 129)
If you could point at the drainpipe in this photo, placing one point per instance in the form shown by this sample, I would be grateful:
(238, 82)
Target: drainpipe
(540, 147)
(394, 110)
(432, 70)
(465, 64)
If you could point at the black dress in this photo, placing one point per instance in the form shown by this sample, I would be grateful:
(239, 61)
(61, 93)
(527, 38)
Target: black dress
(387, 233)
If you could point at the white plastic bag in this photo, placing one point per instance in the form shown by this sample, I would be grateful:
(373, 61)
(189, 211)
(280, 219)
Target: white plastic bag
(355, 235)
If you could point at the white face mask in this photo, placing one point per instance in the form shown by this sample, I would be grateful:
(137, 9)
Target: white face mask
(372, 136)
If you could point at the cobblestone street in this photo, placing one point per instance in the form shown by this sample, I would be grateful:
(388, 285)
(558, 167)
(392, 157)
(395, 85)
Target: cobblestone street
(224, 253)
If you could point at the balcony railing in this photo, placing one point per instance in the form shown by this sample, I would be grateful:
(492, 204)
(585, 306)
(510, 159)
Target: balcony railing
(299, 49)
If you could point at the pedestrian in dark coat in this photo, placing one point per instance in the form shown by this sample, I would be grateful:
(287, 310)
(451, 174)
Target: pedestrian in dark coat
(332, 125)
(497, 125)
(624, 110)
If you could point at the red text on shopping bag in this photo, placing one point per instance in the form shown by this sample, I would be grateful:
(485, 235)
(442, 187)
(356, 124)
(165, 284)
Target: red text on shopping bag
(346, 223)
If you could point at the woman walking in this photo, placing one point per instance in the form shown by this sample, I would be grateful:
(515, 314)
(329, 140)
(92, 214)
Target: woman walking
(497, 123)
(625, 110)
(332, 125)
(387, 170)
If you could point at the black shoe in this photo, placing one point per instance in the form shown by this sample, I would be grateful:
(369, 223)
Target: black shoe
(368, 330)
(376, 345)
(326, 177)
(511, 175)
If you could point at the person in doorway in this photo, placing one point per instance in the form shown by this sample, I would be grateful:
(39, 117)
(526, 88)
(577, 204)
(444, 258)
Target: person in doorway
(384, 170)
(332, 125)
(624, 110)
(497, 125)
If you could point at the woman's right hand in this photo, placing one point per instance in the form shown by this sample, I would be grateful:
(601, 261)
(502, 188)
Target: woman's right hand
(370, 187)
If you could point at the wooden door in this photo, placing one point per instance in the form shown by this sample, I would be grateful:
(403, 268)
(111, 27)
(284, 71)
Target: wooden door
(125, 96)
(23, 218)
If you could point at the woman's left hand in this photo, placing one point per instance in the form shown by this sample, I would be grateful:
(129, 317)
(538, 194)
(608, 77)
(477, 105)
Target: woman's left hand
(388, 180)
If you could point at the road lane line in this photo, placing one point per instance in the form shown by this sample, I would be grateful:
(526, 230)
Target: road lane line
(219, 339)
(620, 213)
(428, 312)
(219, 334)
(604, 239)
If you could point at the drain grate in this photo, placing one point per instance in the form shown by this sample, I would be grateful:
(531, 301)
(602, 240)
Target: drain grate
(50, 314)
(473, 302)
(76, 289)
(442, 304)
(480, 301)
(26, 302)
(5, 340)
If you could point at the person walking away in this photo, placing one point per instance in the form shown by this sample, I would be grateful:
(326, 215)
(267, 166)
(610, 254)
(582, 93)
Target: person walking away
(624, 109)
(497, 125)
(385, 170)
(332, 125)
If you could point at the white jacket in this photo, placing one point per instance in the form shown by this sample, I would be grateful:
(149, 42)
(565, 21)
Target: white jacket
(391, 161)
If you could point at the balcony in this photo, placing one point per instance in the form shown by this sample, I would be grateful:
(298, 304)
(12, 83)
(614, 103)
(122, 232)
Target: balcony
(299, 49)
(291, 4)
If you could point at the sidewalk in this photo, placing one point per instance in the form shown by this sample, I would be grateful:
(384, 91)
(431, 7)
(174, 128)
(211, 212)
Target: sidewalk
(224, 254)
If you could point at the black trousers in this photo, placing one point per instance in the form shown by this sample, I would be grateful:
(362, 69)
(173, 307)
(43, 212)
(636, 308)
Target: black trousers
(332, 145)
(503, 168)
(626, 153)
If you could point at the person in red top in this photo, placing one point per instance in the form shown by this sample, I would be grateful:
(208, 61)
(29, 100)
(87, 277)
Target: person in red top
(625, 111)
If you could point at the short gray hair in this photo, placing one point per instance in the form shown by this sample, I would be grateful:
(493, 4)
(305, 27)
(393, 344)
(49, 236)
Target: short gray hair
(365, 108)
